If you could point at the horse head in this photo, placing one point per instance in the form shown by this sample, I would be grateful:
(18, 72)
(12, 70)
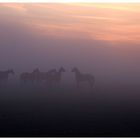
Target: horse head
(74, 69)
(62, 69)
(11, 71)
(36, 70)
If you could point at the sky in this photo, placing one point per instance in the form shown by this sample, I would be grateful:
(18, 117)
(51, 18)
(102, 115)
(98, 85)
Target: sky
(103, 39)
(108, 22)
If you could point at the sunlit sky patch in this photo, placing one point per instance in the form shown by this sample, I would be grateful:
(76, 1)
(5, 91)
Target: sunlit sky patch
(108, 22)
(74, 1)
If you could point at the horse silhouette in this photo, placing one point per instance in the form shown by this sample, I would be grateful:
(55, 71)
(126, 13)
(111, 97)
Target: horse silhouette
(30, 77)
(44, 76)
(4, 75)
(36, 76)
(56, 77)
(83, 77)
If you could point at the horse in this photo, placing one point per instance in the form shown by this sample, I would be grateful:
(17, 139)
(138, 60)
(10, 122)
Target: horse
(4, 75)
(26, 77)
(43, 76)
(56, 76)
(30, 77)
(36, 76)
(83, 77)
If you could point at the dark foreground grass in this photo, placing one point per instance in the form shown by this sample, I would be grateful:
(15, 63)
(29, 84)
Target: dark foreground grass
(37, 111)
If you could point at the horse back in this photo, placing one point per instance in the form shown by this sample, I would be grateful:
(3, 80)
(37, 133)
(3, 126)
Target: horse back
(3, 75)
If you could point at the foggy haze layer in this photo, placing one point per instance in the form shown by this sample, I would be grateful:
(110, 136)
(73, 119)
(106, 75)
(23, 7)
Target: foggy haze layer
(34, 35)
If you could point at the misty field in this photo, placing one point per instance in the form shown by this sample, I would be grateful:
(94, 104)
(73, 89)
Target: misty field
(96, 43)
(34, 110)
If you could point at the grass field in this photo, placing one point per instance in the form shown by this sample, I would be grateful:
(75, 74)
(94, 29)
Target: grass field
(35, 111)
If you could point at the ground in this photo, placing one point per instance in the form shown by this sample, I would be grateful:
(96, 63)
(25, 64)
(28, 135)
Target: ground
(34, 111)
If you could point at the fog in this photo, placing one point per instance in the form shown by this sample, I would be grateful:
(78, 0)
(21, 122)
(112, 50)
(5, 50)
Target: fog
(110, 108)
(23, 51)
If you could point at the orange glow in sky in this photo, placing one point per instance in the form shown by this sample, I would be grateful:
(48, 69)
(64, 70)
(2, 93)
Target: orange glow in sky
(107, 22)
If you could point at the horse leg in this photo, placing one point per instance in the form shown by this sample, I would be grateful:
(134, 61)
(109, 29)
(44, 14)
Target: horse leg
(25, 81)
(32, 81)
(77, 83)
(90, 83)
(6, 81)
(58, 83)
(21, 81)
